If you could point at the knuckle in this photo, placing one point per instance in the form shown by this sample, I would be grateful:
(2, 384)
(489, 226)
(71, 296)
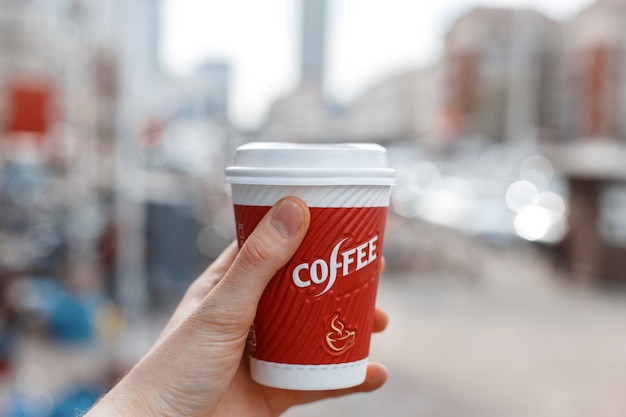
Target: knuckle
(202, 286)
(256, 252)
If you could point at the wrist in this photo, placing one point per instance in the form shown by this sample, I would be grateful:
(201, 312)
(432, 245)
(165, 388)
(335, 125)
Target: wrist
(123, 401)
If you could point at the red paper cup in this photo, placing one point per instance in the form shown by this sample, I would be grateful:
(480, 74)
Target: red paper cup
(313, 324)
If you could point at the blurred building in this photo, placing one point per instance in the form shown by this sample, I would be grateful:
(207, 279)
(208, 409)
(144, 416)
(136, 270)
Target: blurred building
(95, 138)
(502, 74)
(313, 42)
(592, 160)
(597, 61)
(204, 95)
(65, 109)
(58, 88)
(304, 115)
(400, 107)
(591, 154)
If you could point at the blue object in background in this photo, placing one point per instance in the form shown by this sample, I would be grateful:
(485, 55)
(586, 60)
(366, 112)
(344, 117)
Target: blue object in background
(74, 403)
(45, 294)
(77, 402)
(71, 320)
(26, 406)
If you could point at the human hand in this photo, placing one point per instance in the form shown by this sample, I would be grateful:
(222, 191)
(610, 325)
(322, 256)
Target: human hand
(197, 367)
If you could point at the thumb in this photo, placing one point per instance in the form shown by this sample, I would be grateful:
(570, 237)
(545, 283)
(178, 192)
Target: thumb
(271, 245)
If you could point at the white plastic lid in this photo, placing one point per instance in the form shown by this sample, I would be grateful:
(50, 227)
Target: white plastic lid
(273, 163)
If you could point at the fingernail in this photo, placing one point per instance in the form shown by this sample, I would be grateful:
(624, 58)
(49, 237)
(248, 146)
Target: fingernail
(287, 218)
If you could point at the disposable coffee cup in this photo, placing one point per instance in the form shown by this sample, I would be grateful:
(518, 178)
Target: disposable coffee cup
(314, 321)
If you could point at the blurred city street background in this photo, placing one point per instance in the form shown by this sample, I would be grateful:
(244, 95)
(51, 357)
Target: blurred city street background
(506, 236)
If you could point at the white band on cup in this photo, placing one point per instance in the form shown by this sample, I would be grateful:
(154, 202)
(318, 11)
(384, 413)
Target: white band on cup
(308, 377)
(313, 196)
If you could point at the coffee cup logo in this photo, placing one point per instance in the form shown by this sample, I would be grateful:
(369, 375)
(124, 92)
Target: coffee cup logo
(340, 263)
(339, 339)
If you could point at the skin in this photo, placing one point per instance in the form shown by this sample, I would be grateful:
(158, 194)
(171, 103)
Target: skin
(197, 367)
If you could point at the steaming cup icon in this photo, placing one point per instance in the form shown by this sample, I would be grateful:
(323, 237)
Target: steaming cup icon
(340, 339)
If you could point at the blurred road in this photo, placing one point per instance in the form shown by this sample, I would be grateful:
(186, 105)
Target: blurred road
(514, 341)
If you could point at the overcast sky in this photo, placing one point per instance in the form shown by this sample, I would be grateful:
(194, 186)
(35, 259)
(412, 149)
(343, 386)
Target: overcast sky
(368, 40)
